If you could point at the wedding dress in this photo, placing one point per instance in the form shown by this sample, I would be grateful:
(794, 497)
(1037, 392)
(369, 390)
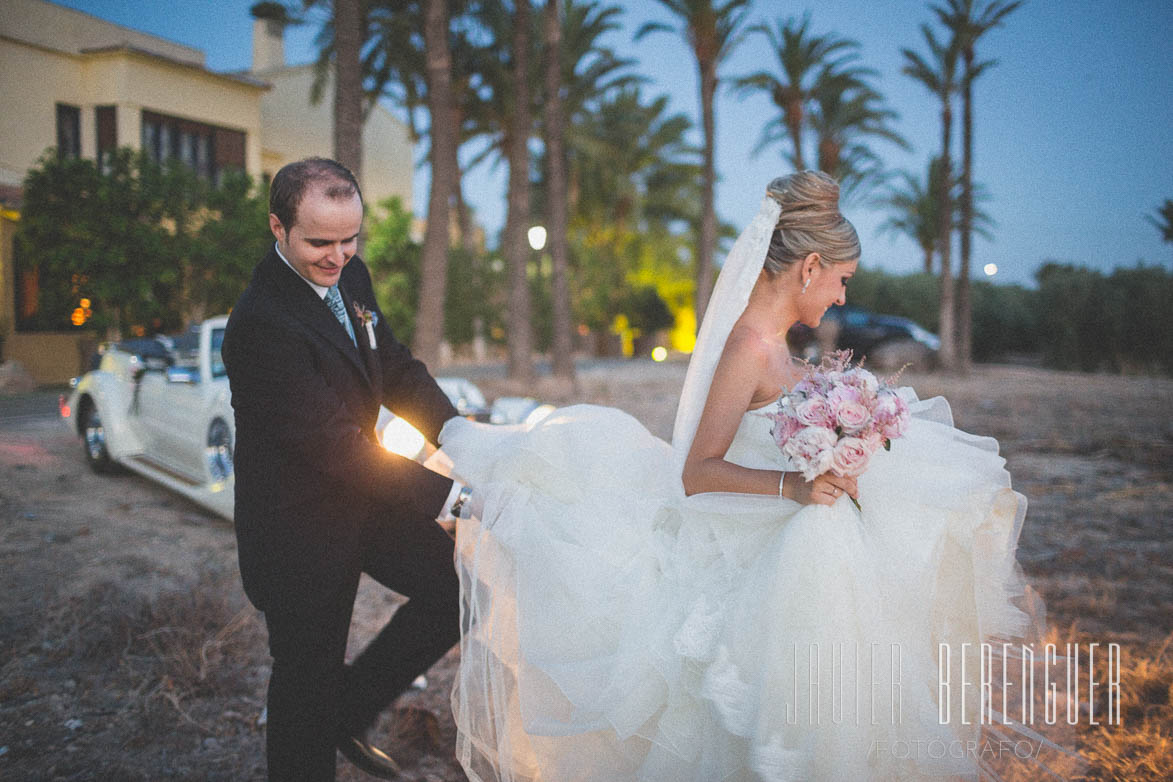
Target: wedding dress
(615, 629)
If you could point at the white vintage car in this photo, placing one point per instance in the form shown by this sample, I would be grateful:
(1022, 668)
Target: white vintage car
(162, 408)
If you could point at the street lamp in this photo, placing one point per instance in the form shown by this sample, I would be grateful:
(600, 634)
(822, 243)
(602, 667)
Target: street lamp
(990, 269)
(537, 237)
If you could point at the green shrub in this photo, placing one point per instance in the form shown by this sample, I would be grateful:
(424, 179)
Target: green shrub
(1005, 320)
(1096, 322)
(1077, 319)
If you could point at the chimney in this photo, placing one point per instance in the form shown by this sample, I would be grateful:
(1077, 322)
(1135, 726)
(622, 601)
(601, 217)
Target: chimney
(269, 20)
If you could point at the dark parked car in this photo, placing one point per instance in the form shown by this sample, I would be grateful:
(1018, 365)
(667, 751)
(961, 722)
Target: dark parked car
(888, 341)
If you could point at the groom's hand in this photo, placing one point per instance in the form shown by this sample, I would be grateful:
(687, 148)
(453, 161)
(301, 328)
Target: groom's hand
(491, 498)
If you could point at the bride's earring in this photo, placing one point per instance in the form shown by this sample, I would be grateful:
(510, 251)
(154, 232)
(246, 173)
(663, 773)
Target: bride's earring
(805, 284)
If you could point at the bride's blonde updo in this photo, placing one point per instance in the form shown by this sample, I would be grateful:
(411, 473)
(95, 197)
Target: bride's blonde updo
(810, 222)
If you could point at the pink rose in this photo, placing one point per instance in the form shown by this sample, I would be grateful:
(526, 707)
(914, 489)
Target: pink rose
(875, 441)
(785, 427)
(813, 411)
(848, 408)
(843, 393)
(863, 380)
(891, 414)
(851, 416)
(850, 457)
(811, 450)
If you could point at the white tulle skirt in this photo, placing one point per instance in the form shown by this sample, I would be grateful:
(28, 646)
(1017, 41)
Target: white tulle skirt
(615, 629)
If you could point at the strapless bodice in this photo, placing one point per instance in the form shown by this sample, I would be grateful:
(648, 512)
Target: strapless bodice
(753, 445)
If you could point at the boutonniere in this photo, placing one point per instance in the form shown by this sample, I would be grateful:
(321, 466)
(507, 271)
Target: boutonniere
(368, 318)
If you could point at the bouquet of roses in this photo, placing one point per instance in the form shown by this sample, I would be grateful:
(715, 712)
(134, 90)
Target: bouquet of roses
(836, 417)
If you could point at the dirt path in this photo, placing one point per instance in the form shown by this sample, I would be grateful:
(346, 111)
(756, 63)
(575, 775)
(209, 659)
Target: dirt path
(128, 651)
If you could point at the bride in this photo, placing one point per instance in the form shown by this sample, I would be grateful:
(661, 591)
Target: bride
(634, 610)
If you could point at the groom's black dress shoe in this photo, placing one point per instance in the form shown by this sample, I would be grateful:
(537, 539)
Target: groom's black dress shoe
(370, 759)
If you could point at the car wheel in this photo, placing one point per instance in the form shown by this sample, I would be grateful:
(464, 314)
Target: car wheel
(218, 450)
(895, 353)
(93, 438)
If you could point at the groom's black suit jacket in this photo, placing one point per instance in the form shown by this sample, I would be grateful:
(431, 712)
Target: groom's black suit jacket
(310, 475)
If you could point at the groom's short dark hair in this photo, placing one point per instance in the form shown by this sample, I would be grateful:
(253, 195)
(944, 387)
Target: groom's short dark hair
(290, 184)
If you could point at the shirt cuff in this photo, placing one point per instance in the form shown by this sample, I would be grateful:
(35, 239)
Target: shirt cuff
(446, 508)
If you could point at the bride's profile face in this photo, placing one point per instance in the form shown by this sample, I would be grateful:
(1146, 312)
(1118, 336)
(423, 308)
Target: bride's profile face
(828, 286)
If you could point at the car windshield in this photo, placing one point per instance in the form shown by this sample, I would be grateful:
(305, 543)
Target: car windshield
(218, 368)
(185, 349)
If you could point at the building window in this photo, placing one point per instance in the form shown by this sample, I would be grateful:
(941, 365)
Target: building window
(206, 149)
(68, 131)
(106, 122)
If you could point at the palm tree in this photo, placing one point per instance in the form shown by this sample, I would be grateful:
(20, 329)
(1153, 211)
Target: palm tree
(395, 67)
(588, 72)
(516, 247)
(637, 183)
(803, 60)
(632, 165)
(914, 206)
(968, 21)
(938, 75)
(1163, 220)
(348, 88)
(712, 29)
(845, 112)
(396, 63)
(429, 330)
(557, 205)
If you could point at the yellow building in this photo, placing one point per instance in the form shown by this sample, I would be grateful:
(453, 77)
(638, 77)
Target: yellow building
(85, 86)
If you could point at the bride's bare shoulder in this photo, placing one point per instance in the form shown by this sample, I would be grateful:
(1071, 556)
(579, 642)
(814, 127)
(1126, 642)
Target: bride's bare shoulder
(745, 343)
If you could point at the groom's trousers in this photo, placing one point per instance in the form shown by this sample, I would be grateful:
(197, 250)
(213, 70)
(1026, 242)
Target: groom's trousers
(313, 697)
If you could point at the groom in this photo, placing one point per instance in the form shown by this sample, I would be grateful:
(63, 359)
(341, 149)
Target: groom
(318, 502)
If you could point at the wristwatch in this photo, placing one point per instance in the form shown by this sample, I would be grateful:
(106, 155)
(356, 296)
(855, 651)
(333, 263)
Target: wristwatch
(461, 500)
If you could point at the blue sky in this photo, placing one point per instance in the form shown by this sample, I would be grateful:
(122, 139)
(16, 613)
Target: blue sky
(1072, 135)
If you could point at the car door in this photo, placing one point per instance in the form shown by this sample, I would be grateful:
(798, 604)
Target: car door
(171, 405)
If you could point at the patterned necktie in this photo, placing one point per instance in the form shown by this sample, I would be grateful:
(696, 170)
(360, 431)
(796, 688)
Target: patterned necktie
(334, 302)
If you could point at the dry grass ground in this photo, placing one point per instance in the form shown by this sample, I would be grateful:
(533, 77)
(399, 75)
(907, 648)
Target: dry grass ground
(128, 652)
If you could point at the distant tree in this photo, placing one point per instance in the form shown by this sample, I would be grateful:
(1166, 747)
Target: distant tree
(445, 171)
(231, 237)
(937, 73)
(1163, 220)
(913, 204)
(410, 54)
(636, 208)
(348, 83)
(803, 60)
(968, 21)
(394, 262)
(713, 29)
(516, 244)
(151, 246)
(557, 205)
(632, 165)
(846, 113)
